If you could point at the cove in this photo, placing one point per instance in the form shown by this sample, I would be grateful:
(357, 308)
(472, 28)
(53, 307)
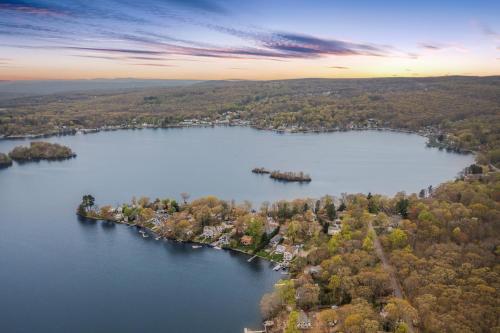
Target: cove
(59, 274)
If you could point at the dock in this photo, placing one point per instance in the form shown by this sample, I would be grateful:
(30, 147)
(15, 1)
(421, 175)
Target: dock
(247, 330)
(251, 259)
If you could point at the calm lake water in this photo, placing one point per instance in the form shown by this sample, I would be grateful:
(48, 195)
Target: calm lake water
(58, 274)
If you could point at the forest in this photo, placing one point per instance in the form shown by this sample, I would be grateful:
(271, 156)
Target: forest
(462, 113)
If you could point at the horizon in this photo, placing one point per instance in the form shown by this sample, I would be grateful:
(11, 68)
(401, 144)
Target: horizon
(256, 41)
(252, 80)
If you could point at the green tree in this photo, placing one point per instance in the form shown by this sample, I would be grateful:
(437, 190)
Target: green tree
(88, 202)
(402, 207)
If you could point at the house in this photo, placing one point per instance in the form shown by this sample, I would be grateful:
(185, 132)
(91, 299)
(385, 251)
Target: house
(275, 240)
(271, 225)
(333, 230)
(208, 232)
(303, 322)
(219, 229)
(224, 240)
(287, 256)
(313, 270)
(280, 249)
(246, 240)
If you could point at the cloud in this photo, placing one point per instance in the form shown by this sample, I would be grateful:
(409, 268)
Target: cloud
(435, 46)
(270, 45)
(338, 67)
(31, 7)
(95, 57)
(205, 5)
(296, 45)
(488, 31)
(154, 65)
(306, 46)
(430, 46)
(110, 50)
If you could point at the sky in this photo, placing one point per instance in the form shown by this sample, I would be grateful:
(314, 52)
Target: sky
(247, 39)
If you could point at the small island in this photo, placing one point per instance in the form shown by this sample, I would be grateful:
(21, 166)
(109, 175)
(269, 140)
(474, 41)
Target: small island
(261, 171)
(286, 176)
(290, 176)
(5, 161)
(41, 151)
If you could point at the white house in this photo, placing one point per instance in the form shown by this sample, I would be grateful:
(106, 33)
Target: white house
(303, 322)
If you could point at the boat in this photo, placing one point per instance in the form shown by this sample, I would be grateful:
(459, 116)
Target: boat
(217, 248)
(144, 235)
(277, 267)
(196, 246)
(157, 238)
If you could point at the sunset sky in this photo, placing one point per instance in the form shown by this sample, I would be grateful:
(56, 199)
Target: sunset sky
(252, 39)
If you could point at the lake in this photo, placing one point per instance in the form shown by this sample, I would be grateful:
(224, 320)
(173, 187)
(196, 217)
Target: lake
(59, 274)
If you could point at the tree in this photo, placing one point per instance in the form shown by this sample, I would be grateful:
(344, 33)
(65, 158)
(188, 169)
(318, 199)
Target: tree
(255, 227)
(307, 295)
(270, 305)
(106, 212)
(399, 310)
(368, 243)
(87, 202)
(286, 291)
(328, 317)
(421, 194)
(291, 325)
(398, 238)
(402, 207)
(401, 328)
(330, 208)
(146, 214)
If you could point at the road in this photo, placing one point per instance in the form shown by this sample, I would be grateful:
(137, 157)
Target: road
(394, 282)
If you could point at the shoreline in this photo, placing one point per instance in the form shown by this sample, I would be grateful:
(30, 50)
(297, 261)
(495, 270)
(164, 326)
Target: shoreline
(425, 133)
(151, 231)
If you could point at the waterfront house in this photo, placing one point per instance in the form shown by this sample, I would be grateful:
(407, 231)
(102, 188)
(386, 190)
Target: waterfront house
(303, 322)
(224, 239)
(287, 256)
(246, 240)
(280, 249)
(208, 232)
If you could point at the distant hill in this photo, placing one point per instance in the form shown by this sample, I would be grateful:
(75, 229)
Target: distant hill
(46, 87)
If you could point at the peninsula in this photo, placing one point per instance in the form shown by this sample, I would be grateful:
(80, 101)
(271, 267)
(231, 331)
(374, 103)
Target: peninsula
(358, 256)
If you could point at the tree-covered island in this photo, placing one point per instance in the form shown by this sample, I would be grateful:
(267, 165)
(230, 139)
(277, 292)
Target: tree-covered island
(358, 263)
(286, 176)
(39, 150)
